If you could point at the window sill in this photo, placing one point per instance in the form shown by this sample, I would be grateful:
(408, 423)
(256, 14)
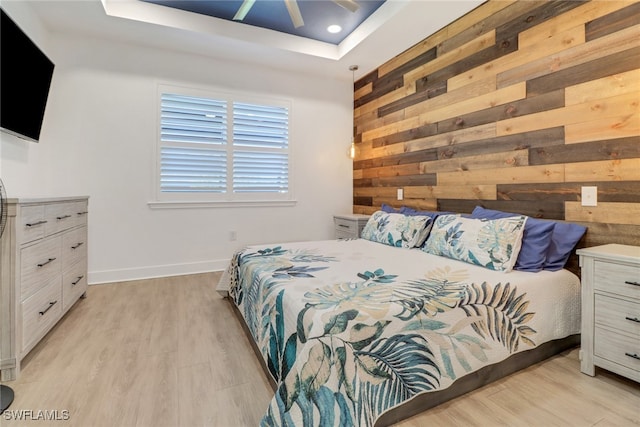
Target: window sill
(219, 204)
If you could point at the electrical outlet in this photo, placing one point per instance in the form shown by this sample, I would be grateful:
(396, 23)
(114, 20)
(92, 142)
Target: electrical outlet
(233, 236)
(589, 196)
(400, 194)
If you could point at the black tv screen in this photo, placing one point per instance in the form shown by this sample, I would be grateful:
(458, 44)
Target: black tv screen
(25, 74)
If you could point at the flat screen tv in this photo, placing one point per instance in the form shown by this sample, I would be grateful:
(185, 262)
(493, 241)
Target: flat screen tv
(25, 74)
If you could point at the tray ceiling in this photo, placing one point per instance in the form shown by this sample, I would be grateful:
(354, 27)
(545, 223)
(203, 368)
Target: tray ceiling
(316, 15)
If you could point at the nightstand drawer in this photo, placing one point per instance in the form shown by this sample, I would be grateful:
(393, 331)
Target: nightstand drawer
(349, 226)
(617, 278)
(617, 313)
(618, 348)
(345, 225)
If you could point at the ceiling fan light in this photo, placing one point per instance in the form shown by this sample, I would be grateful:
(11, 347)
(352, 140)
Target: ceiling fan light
(333, 29)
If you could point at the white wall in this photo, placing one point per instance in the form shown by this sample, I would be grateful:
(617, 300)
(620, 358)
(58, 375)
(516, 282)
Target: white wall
(98, 139)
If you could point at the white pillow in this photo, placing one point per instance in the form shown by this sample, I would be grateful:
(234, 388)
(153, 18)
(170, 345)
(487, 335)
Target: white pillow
(490, 243)
(395, 229)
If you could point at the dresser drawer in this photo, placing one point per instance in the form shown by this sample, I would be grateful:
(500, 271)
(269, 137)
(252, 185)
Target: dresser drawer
(38, 263)
(617, 278)
(618, 348)
(40, 311)
(74, 247)
(60, 217)
(617, 313)
(81, 212)
(74, 284)
(32, 223)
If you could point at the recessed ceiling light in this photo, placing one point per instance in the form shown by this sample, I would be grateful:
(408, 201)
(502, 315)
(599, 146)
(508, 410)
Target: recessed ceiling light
(334, 29)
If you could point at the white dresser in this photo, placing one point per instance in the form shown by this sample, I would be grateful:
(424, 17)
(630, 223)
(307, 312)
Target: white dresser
(349, 226)
(43, 272)
(611, 309)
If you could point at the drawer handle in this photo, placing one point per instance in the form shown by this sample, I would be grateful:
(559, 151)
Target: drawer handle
(77, 245)
(629, 282)
(33, 224)
(633, 319)
(51, 304)
(42, 264)
(63, 217)
(635, 356)
(77, 280)
(343, 226)
(83, 213)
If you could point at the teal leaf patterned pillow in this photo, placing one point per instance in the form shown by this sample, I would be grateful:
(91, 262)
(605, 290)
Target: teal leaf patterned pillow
(490, 243)
(395, 229)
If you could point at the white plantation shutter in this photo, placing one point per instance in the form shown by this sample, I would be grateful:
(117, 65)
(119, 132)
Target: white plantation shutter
(193, 153)
(193, 170)
(219, 149)
(261, 144)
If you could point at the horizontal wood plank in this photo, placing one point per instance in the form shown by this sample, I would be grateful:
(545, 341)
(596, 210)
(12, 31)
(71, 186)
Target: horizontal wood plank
(622, 148)
(604, 87)
(523, 174)
(510, 159)
(628, 191)
(611, 213)
(451, 138)
(622, 126)
(479, 192)
(605, 170)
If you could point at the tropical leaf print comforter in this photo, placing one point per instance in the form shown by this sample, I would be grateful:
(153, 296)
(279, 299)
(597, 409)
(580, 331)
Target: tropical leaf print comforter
(350, 329)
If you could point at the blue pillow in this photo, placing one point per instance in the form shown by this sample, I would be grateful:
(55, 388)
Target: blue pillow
(536, 239)
(412, 212)
(389, 209)
(565, 237)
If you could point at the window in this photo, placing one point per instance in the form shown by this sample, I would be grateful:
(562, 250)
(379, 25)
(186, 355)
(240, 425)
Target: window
(222, 148)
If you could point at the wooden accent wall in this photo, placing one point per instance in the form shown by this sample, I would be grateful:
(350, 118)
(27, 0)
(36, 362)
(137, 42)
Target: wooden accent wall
(515, 106)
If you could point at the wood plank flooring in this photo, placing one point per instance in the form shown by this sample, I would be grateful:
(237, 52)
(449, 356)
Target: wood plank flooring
(171, 352)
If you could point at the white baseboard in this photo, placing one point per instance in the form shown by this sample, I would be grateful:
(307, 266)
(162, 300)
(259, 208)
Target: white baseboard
(128, 274)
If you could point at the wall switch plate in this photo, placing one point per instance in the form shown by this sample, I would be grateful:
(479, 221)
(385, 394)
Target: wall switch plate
(400, 194)
(233, 236)
(589, 196)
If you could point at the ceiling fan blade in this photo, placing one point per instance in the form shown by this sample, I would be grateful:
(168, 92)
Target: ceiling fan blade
(245, 7)
(294, 13)
(350, 5)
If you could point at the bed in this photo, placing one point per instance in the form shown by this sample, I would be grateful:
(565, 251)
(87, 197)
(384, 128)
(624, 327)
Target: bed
(359, 332)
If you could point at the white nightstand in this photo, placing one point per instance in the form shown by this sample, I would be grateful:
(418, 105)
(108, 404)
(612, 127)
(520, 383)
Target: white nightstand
(349, 226)
(611, 309)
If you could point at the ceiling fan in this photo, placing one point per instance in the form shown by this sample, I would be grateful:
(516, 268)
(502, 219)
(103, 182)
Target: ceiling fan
(294, 10)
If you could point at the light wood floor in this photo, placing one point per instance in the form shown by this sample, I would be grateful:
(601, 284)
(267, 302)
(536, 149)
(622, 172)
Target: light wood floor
(171, 352)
